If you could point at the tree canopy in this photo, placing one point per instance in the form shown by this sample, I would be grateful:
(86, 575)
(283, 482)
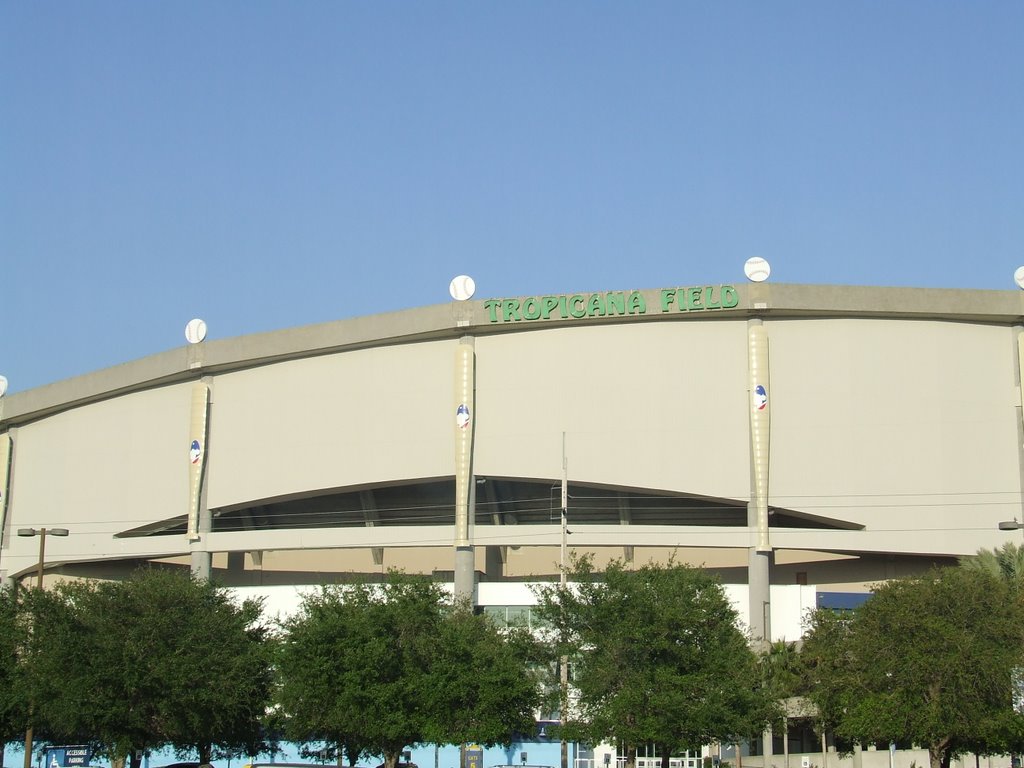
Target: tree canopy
(483, 681)
(1005, 562)
(13, 715)
(159, 659)
(782, 673)
(827, 666)
(372, 669)
(926, 660)
(657, 657)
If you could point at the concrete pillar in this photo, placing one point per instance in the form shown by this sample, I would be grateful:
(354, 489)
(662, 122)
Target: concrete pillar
(759, 575)
(201, 563)
(199, 519)
(1018, 355)
(465, 574)
(760, 553)
(464, 425)
(767, 747)
(6, 455)
(201, 558)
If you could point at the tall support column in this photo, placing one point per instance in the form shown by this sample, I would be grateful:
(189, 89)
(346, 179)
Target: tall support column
(199, 522)
(563, 704)
(465, 481)
(6, 449)
(1018, 352)
(759, 580)
(760, 552)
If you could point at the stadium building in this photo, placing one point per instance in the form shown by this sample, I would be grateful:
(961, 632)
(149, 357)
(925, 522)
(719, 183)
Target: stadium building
(803, 442)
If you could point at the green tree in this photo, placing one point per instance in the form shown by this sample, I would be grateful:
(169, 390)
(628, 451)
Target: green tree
(13, 716)
(657, 658)
(828, 669)
(372, 669)
(926, 660)
(333, 665)
(1005, 562)
(781, 669)
(159, 659)
(482, 689)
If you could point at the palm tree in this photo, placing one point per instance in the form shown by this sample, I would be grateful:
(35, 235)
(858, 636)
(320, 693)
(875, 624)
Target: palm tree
(780, 669)
(1005, 563)
(781, 678)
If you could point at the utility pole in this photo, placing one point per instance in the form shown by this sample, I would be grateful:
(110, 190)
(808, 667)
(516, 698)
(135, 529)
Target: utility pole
(564, 661)
(40, 569)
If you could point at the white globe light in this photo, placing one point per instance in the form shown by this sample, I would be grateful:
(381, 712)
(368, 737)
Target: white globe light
(757, 269)
(1018, 277)
(195, 331)
(462, 288)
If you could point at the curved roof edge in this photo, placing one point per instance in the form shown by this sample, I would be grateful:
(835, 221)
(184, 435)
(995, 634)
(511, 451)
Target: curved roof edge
(498, 315)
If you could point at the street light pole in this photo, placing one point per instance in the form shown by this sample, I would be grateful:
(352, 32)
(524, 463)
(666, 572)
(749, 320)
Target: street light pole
(41, 533)
(564, 670)
(1013, 525)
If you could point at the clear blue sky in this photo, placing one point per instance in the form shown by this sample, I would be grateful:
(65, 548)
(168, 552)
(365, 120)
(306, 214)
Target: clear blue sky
(270, 164)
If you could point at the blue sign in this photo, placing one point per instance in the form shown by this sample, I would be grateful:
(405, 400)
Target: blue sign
(68, 756)
(473, 756)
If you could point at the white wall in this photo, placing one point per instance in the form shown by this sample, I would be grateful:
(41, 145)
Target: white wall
(790, 603)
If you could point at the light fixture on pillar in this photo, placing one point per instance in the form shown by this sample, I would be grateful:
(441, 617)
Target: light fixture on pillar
(757, 269)
(462, 287)
(195, 331)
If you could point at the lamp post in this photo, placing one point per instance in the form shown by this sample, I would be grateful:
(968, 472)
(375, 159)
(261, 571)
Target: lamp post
(41, 533)
(563, 672)
(1013, 525)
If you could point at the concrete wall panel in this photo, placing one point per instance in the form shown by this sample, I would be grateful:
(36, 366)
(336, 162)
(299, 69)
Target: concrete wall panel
(652, 405)
(359, 417)
(100, 470)
(895, 423)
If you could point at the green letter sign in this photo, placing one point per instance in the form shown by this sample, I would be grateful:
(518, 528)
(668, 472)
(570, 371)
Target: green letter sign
(615, 303)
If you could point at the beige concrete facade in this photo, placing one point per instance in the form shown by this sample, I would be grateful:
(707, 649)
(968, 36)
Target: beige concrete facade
(895, 439)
